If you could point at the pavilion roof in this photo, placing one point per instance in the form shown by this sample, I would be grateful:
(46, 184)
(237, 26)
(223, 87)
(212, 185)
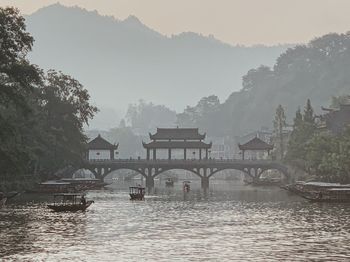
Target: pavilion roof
(100, 143)
(176, 144)
(255, 144)
(177, 134)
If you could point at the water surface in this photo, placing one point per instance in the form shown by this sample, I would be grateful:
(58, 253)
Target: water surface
(229, 223)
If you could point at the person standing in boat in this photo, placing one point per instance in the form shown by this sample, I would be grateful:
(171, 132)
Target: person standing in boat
(320, 195)
(83, 200)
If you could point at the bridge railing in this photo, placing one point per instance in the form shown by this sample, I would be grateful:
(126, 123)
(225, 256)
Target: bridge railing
(210, 160)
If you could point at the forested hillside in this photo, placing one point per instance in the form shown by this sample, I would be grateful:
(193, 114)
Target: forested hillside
(318, 70)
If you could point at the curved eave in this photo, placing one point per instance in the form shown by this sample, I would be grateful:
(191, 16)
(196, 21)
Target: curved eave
(242, 147)
(176, 145)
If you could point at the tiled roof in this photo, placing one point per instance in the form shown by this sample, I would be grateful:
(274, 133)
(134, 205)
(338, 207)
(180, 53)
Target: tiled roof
(176, 144)
(177, 134)
(255, 144)
(100, 143)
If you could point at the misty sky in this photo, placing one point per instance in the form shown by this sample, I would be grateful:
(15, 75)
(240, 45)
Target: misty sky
(233, 21)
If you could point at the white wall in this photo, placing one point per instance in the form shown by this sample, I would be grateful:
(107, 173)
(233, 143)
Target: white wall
(99, 154)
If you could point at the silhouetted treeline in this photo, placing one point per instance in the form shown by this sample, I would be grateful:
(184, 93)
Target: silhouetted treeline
(41, 114)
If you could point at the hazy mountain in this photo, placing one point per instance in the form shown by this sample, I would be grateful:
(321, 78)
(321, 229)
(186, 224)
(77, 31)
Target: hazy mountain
(120, 62)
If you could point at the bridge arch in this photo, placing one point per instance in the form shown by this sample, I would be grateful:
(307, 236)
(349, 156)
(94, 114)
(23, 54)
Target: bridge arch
(102, 173)
(283, 172)
(162, 170)
(254, 172)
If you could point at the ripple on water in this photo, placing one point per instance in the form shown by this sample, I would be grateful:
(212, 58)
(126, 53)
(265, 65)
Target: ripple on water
(225, 226)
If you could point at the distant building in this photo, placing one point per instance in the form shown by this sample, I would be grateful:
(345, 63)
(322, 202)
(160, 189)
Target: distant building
(336, 120)
(255, 149)
(177, 143)
(222, 148)
(101, 149)
(264, 135)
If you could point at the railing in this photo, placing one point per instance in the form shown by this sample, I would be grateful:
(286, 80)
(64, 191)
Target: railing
(180, 160)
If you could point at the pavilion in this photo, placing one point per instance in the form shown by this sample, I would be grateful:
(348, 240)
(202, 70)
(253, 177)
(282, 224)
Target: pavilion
(100, 149)
(172, 139)
(255, 144)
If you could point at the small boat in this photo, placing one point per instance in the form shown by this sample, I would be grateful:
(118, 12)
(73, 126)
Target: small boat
(52, 187)
(186, 186)
(3, 202)
(331, 195)
(169, 182)
(137, 193)
(11, 194)
(264, 182)
(69, 202)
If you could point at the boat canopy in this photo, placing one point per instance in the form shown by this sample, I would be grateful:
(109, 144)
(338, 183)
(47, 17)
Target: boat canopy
(69, 194)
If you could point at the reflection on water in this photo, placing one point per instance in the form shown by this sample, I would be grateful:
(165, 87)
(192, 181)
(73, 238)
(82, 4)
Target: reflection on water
(234, 223)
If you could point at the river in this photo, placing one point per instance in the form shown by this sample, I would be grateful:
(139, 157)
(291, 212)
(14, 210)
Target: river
(231, 223)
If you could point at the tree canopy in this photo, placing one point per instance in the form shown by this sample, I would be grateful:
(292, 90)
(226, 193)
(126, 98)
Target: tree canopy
(318, 70)
(41, 114)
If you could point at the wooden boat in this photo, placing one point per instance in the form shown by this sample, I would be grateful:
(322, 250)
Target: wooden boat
(52, 187)
(69, 202)
(137, 193)
(169, 183)
(331, 195)
(311, 190)
(11, 194)
(3, 202)
(82, 184)
(264, 182)
(186, 186)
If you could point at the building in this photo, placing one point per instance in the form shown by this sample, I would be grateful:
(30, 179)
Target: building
(257, 149)
(264, 134)
(101, 149)
(222, 148)
(336, 120)
(177, 143)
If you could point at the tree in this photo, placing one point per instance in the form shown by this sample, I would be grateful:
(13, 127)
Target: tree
(18, 78)
(41, 115)
(298, 119)
(328, 157)
(303, 130)
(144, 117)
(65, 109)
(309, 113)
(205, 115)
(279, 124)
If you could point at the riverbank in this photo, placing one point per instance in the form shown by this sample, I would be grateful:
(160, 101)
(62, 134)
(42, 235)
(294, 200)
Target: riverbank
(19, 185)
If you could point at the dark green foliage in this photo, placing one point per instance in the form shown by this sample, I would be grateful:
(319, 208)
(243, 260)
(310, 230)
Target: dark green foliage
(17, 81)
(41, 116)
(309, 113)
(303, 130)
(279, 125)
(328, 157)
(321, 154)
(64, 107)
